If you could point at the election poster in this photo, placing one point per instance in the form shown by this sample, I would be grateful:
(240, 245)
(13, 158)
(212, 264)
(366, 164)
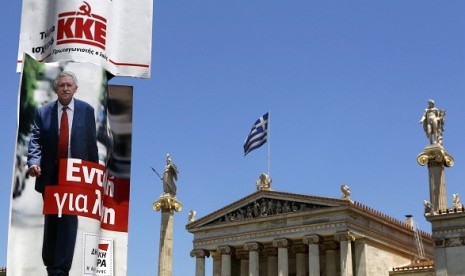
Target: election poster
(71, 181)
(116, 35)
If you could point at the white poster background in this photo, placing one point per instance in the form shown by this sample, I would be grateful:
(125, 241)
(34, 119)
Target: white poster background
(125, 27)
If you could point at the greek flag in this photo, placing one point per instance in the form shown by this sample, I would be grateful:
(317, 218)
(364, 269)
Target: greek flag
(258, 135)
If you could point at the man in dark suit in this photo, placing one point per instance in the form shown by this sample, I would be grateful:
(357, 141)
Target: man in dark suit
(43, 159)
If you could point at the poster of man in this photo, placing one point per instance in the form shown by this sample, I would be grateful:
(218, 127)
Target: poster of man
(68, 210)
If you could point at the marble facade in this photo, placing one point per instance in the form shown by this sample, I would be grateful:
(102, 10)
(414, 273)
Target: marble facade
(277, 233)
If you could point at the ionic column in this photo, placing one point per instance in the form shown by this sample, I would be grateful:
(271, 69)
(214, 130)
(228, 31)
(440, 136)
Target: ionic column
(200, 255)
(345, 242)
(361, 258)
(165, 260)
(283, 261)
(216, 264)
(301, 266)
(226, 252)
(244, 267)
(253, 248)
(313, 242)
(244, 258)
(330, 258)
(437, 185)
(437, 159)
(271, 254)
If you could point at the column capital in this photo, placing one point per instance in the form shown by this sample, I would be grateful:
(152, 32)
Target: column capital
(253, 246)
(226, 250)
(167, 203)
(200, 253)
(282, 243)
(313, 239)
(344, 236)
(301, 248)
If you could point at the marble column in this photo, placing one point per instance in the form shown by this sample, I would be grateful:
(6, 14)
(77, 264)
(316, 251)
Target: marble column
(283, 258)
(361, 257)
(165, 261)
(437, 188)
(437, 158)
(216, 264)
(226, 252)
(345, 242)
(244, 267)
(330, 258)
(301, 264)
(167, 204)
(254, 263)
(271, 254)
(243, 258)
(313, 242)
(200, 255)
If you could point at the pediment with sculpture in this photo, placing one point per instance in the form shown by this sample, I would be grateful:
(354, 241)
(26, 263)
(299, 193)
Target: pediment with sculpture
(263, 204)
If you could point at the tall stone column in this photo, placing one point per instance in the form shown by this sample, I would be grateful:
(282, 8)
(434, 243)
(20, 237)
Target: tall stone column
(216, 264)
(301, 264)
(226, 252)
(271, 254)
(313, 242)
(345, 241)
(361, 258)
(330, 258)
(436, 157)
(200, 255)
(283, 258)
(254, 263)
(244, 267)
(168, 205)
(243, 257)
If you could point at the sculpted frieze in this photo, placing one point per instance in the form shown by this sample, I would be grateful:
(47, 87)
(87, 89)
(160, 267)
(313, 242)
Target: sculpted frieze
(266, 207)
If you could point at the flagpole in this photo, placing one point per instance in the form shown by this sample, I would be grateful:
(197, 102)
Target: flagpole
(268, 137)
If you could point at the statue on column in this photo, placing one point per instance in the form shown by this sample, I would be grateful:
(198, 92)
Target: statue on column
(435, 157)
(167, 200)
(170, 175)
(433, 123)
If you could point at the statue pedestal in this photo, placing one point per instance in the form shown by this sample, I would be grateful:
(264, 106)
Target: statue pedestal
(436, 157)
(168, 205)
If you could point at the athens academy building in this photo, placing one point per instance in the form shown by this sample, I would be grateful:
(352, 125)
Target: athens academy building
(278, 233)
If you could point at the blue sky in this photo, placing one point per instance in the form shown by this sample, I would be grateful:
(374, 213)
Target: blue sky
(346, 83)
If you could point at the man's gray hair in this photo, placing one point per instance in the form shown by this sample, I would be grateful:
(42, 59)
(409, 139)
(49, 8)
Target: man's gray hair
(63, 74)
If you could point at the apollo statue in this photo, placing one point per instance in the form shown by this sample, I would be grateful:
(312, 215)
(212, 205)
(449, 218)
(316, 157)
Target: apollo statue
(433, 123)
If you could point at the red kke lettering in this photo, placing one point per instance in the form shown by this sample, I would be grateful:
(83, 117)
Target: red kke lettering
(79, 30)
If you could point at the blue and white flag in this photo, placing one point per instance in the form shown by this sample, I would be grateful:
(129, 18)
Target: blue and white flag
(258, 135)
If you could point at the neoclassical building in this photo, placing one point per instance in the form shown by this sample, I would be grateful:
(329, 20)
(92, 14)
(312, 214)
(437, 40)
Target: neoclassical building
(278, 233)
